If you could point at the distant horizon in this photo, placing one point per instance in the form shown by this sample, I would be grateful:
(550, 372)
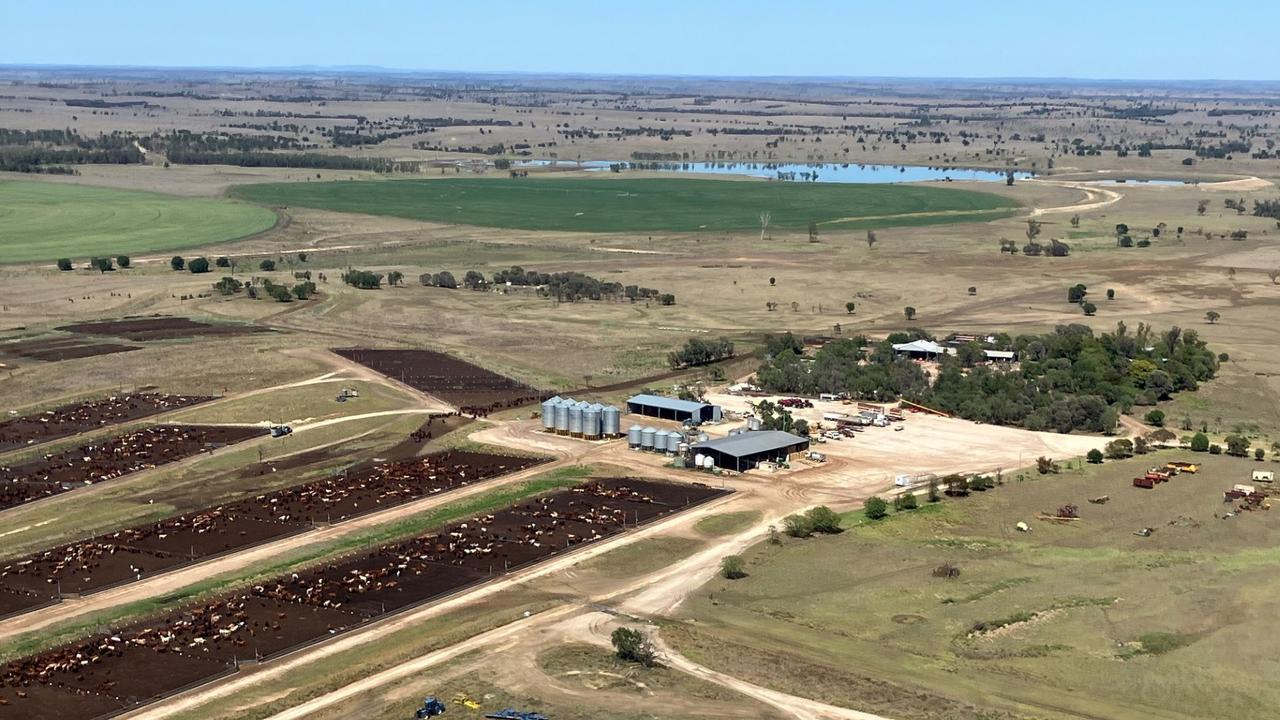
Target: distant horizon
(370, 69)
(1139, 41)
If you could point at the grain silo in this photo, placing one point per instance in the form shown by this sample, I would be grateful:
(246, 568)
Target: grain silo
(646, 438)
(698, 459)
(611, 421)
(562, 417)
(633, 436)
(575, 419)
(673, 442)
(660, 440)
(549, 413)
(591, 421)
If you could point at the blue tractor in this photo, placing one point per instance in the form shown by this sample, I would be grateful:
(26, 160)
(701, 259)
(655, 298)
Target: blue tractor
(431, 707)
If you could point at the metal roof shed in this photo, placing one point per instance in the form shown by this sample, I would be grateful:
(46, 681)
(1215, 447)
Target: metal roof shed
(671, 408)
(746, 450)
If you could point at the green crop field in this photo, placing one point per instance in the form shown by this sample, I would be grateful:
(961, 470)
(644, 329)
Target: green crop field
(47, 221)
(609, 204)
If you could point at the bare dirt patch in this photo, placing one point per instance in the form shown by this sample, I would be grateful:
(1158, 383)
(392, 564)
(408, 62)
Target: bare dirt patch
(472, 388)
(159, 328)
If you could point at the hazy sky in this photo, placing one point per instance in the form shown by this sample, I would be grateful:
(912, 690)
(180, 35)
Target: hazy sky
(1140, 39)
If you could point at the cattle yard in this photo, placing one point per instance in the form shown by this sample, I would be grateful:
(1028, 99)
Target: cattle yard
(472, 388)
(67, 420)
(100, 461)
(159, 328)
(119, 669)
(60, 348)
(130, 554)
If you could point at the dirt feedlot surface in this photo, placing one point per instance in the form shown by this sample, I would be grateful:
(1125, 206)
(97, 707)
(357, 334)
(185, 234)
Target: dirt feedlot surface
(470, 387)
(68, 420)
(159, 328)
(113, 670)
(107, 560)
(108, 459)
(55, 349)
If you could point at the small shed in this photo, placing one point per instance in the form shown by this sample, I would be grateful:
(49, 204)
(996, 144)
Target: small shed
(1265, 476)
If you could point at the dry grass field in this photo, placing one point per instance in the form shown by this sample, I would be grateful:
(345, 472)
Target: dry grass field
(1101, 623)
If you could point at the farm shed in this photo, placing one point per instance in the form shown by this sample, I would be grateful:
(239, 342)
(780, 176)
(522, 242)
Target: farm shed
(921, 350)
(673, 409)
(745, 450)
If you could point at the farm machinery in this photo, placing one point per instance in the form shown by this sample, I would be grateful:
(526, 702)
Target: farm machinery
(431, 707)
(513, 714)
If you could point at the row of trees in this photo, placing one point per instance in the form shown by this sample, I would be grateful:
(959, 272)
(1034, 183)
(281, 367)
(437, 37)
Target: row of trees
(101, 264)
(697, 351)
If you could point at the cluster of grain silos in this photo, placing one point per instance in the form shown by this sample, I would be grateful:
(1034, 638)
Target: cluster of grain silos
(655, 440)
(566, 416)
(703, 462)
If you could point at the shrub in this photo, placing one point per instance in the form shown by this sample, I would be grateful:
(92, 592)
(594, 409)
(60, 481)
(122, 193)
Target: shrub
(102, 265)
(1046, 465)
(823, 520)
(1095, 456)
(876, 508)
(1259, 454)
(1237, 445)
(907, 501)
(64, 264)
(1155, 417)
(123, 261)
(267, 266)
(177, 263)
(732, 567)
(223, 261)
(199, 265)
(1215, 449)
(1200, 443)
(797, 526)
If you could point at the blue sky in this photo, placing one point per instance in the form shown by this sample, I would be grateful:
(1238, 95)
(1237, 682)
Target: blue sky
(1139, 39)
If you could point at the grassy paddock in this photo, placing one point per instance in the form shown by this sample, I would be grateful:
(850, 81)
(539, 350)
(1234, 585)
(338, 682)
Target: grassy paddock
(46, 221)
(637, 205)
(1154, 627)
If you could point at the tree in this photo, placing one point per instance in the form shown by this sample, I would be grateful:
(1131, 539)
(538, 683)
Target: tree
(1046, 465)
(1201, 206)
(773, 281)
(223, 261)
(1075, 221)
(177, 263)
(1033, 230)
(473, 280)
(1119, 449)
(267, 266)
(228, 286)
(1237, 445)
(732, 567)
(934, 494)
(871, 239)
(1076, 293)
(1259, 454)
(303, 290)
(909, 312)
(906, 501)
(1111, 294)
(362, 279)
(973, 289)
(813, 231)
(633, 646)
(1094, 456)
(1089, 308)
(64, 264)
(1155, 417)
(1274, 275)
(765, 217)
(123, 261)
(823, 520)
(1200, 442)
(102, 265)
(199, 265)
(394, 277)
(876, 508)
(1212, 316)
(848, 307)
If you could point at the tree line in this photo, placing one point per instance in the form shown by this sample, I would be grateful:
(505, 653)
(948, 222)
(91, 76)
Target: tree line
(1068, 379)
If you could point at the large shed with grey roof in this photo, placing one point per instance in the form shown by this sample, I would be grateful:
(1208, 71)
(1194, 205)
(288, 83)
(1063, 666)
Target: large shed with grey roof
(673, 409)
(745, 450)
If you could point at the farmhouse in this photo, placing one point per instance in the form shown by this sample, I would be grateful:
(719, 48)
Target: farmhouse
(667, 408)
(745, 450)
